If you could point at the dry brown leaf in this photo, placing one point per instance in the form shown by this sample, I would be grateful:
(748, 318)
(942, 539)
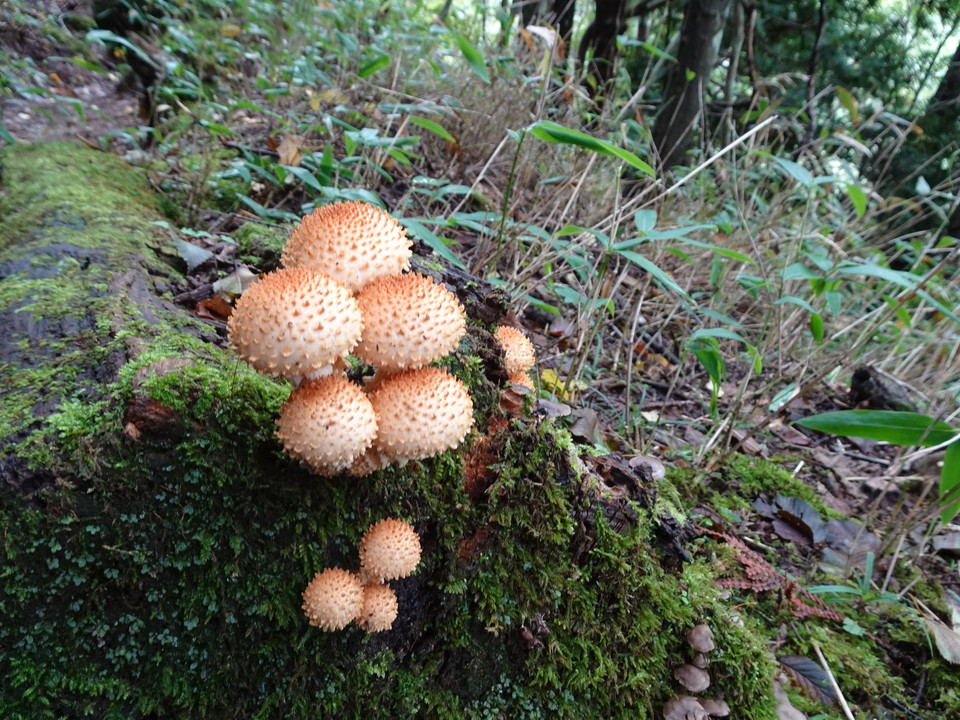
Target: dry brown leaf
(290, 150)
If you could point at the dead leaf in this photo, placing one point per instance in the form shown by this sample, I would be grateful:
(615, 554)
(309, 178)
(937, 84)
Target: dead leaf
(947, 641)
(809, 676)
(235, 283)
(564, 390)
(193, 255)
(528, 39)
(289, 149)
(216, 308)
(785, 709)
(230, 30)
(548, 35)
(796, 514)
(549, 409)
(649, 465)
(585, 426)
(948, 544)
(561, 328)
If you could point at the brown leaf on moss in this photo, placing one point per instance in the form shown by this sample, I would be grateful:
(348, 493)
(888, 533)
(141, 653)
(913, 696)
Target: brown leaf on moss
(478, 474)
(473, 547)
(215, 308)
(809, 676)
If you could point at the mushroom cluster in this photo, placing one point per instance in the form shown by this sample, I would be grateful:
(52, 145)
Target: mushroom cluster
(694, 678)
(344, 289)
(390, 549)
(518, 355)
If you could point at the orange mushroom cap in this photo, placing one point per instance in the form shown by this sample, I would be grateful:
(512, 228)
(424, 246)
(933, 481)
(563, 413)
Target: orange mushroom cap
(327, 423)
(408, 321)
(518, 354)
(295, 323)
(352, 242)
(333, 599)
(522, 379)
(420, 413)
(390, 549)
(380, 608)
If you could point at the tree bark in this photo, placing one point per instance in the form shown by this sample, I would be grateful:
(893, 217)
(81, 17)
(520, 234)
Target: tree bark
(600, 41)
(685, 85)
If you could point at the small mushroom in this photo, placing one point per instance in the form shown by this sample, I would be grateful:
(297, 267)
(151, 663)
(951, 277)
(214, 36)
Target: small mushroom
(390, 549)
(352, 242)
(518, 353)
(714, 707)
(523, 380)
(683, 707)
(701, 661)
(380, 608)
(408, 321)
(421, 413)
(296, 323)
(700, 638)
(327, 423)
(333, 599)
(692, 678)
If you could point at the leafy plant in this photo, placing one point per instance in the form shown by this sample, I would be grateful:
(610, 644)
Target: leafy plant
(901, 428)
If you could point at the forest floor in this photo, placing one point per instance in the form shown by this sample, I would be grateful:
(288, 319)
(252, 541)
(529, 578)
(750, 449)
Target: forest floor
(795, 509)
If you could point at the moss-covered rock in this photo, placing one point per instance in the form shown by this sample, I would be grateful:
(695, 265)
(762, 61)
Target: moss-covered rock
(156, 540)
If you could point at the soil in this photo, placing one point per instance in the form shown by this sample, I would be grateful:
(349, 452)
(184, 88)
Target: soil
(83, 104)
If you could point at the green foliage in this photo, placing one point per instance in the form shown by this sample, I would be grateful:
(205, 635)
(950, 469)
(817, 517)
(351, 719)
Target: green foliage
(901, 428)
(156, 577)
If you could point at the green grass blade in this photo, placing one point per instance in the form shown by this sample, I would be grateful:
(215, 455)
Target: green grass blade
(900, 428)
(554, 133)
(473, 57)
(950, 481)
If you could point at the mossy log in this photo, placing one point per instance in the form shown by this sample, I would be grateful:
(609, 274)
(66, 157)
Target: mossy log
(156, 540)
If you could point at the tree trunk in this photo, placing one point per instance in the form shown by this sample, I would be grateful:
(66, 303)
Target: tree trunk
(600, 41)
(156, 540)
(685, 86)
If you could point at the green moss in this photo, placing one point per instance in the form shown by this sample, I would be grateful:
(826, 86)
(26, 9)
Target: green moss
(165, 570)
(66, 193)
(734, 486)
(257, 242)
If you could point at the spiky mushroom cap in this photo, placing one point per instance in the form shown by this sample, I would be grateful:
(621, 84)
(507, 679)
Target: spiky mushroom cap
(420, 413)
(352, 242)
(327, 423)
(518, 354)
(390, 549)
(367, 463)
(380, 608)
(296, 323)
(409, 321)
(333, 599)
(522, 379)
